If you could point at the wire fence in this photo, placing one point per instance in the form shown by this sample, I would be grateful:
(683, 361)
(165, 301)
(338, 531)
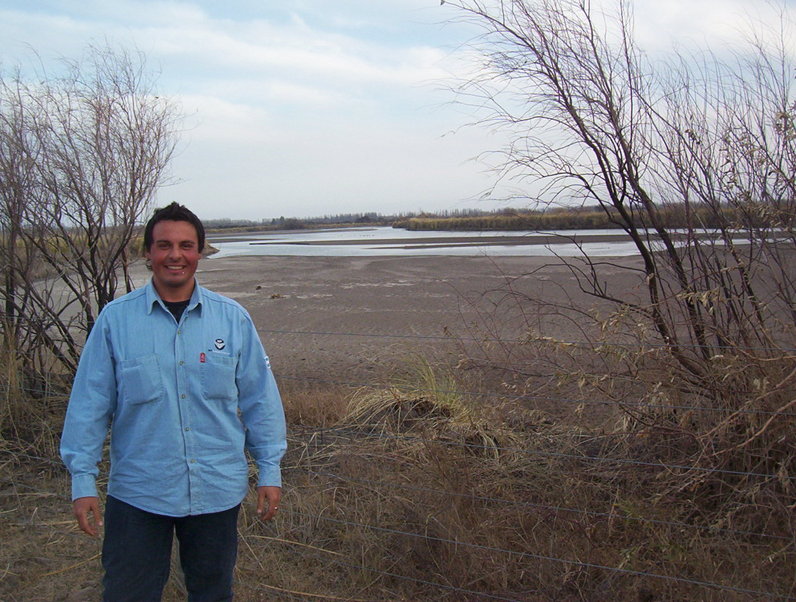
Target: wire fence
(358, 434)
(521, 341)
(530, 555)
(302, 465)
(613, 516)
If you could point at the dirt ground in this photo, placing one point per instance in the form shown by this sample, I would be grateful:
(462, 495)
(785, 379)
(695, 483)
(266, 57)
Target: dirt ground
(349, 318)
(332, 319)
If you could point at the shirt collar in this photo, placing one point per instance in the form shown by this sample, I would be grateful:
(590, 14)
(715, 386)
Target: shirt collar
(152, 297)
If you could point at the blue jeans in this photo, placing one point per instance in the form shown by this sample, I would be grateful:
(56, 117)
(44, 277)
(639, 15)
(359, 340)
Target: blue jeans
(136, 553)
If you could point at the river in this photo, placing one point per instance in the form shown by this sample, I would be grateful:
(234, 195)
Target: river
(387, 241)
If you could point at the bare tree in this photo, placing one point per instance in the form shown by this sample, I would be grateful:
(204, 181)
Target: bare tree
(82, 154)
(709, 138)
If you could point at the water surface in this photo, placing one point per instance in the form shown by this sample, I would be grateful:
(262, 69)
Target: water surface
(387, 241)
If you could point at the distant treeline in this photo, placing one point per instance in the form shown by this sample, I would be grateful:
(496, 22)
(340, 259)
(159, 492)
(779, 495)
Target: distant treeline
(575, 218)
(585, 218)
(511, 219)
(296, 223)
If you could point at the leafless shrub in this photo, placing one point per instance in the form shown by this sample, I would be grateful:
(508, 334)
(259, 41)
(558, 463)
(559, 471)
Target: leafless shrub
(82, 152)
(713, 328)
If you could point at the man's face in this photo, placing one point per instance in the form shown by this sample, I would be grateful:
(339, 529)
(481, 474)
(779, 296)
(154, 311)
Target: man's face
(174, 255)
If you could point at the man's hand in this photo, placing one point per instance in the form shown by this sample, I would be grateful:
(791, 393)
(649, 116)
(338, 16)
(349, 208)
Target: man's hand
(82, 507)
(268, 501)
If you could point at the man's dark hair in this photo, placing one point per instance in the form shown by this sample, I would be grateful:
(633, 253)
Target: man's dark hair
(176, 213)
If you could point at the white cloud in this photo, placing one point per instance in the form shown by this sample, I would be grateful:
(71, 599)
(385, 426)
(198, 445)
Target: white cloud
(305, 107)
(714, 24)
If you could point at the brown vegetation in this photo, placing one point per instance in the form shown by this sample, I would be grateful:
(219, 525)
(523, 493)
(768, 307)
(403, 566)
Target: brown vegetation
(672, 217)
(438, 487)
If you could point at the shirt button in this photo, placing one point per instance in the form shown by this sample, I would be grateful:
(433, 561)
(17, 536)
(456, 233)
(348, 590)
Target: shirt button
(193, 461)
(182, 396)
(181, 362)
(187, 428)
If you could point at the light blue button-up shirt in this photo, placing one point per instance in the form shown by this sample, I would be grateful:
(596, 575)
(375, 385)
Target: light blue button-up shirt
(182, 401)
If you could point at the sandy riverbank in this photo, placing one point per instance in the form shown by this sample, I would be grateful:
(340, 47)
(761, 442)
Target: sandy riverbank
(379, 310)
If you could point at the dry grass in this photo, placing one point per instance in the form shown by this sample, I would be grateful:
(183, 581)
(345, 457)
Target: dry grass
(311, 404)
(414, 492)
(417, 485)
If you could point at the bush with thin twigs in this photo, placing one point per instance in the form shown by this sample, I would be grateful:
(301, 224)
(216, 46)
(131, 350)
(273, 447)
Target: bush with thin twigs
(711, 322)
(731, 427)
(29, 409)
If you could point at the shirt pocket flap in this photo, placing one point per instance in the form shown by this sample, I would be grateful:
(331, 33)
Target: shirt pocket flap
(140, 380)
(218, 377)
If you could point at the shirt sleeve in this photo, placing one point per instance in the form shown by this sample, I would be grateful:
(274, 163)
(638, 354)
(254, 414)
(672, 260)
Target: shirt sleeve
(261, 408)
(88, 415)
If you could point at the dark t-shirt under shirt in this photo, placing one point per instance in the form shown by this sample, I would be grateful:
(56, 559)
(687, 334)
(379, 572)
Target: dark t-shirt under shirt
(176, 308)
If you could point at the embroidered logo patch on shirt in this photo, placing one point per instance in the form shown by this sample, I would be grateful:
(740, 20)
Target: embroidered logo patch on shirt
(220, 344)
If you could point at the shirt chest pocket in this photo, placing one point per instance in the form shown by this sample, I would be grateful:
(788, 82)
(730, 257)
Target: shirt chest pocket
(140, 380)
(217, 374)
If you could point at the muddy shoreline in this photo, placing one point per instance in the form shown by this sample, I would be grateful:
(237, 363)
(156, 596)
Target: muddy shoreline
(355, 319)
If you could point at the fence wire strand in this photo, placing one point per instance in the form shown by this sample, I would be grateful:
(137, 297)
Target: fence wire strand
(350, 432)
(568, 342)
(537, 506)
(563, 400)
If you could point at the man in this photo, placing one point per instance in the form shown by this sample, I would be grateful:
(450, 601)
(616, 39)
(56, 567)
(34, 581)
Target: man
(180, 377)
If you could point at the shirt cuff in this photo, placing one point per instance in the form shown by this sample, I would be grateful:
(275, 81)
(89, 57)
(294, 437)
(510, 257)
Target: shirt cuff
(269, 476)
(83, 485)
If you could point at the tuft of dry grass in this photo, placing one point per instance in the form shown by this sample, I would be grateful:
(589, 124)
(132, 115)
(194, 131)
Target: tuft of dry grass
(317, 405)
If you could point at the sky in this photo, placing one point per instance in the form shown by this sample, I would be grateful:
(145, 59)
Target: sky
(303, 108)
